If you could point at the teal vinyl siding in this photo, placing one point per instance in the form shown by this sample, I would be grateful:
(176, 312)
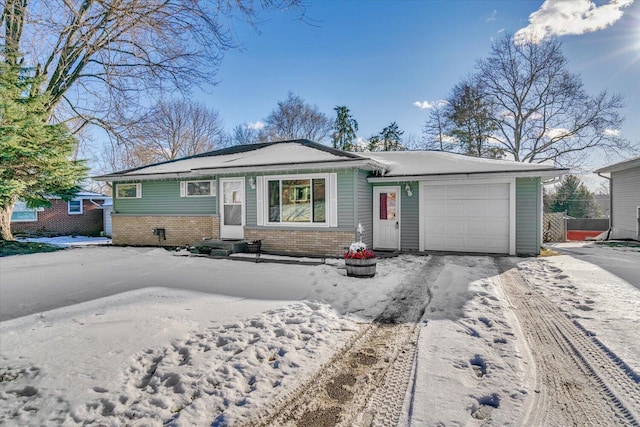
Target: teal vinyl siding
(410, 232)
(364, 206)
(163, 198)
(346, 196)
(409, 215)
(250, 203)
(528, 211)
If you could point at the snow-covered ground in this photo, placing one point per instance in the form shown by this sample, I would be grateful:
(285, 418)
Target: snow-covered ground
(166, 353)
(68, 241)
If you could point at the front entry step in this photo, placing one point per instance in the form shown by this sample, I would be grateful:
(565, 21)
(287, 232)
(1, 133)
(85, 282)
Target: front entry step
(219, 247)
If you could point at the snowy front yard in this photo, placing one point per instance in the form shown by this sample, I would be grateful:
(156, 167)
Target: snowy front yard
(193, 341)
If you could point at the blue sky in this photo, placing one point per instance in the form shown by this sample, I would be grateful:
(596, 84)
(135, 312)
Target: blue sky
(380, 57)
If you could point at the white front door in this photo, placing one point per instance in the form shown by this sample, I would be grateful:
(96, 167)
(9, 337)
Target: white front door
(386, 217)
(232, 208)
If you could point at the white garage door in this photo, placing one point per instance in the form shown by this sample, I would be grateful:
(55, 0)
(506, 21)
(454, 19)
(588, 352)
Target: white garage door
(466, 218)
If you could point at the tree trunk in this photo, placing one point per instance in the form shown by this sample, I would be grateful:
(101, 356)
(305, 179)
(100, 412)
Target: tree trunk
(5, 222)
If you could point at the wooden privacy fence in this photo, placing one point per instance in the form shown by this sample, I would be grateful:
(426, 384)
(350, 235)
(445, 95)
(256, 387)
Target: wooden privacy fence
(553, 227)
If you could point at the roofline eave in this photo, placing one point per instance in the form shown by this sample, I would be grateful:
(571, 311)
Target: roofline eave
(364, 164)
(459, 176)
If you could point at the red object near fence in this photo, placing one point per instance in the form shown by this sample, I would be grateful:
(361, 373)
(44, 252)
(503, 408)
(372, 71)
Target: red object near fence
(582, 234)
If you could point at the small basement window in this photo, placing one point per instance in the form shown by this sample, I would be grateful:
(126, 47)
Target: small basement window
(74, 207)
(129, 191)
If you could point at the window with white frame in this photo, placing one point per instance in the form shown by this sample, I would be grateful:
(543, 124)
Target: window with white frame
(197, 188)
(21, 213)
(129, 191)
(298, 200)
(74, 207)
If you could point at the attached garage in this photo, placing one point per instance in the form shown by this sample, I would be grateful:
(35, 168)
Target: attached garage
(466, 217)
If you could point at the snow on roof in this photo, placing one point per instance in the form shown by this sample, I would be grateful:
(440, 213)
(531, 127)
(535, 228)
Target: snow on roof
(279, 153)
(85, 194)
(415, 163)
(623, 165)
(285, 154)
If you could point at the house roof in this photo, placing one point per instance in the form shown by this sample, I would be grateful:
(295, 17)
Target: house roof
(620, 166)
(304, 154)
(280, 155)
(428, 163)
(84, 194)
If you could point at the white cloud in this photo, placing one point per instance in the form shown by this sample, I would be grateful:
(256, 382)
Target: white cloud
(492, 17)
(557, 133)
(427, 105)
(564, 17)
(611, 132)
(256, 125)
(424, 105)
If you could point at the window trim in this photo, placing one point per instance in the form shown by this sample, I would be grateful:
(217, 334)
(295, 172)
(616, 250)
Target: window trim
(69, 207)
(184, 187)
(138, 190)
(26, 209)
(264, 200)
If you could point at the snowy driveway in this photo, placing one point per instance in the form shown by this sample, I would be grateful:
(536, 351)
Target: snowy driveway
(622, 261)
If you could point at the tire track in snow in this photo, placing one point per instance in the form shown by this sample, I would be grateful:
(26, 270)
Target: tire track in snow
(365, 383)
(578, 382)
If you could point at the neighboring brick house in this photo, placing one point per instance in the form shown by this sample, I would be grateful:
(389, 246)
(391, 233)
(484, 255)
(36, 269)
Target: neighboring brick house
(301, 197)
(81, 216)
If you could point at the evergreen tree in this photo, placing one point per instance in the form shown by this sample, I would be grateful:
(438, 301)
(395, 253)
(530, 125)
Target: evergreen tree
(573, 197)
(34, 154)
(345, 128)
(471, 121)
(375, 143)
(392, 138)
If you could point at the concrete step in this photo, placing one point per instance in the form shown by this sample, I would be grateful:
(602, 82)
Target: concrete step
(232, 246)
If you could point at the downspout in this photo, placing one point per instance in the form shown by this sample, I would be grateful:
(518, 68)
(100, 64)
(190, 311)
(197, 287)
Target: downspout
(98, 205)
(610, 204)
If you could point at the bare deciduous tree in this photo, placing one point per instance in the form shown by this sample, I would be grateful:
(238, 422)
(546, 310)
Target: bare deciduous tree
(436, 131)
(295, 119)
(102, 58)
(178, 129)
(540, 110)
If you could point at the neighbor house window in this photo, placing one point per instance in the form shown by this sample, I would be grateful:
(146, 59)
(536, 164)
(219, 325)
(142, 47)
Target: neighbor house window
(197, 188)
(129, 191)
(74, 207)
(21, 213)
(297, 201)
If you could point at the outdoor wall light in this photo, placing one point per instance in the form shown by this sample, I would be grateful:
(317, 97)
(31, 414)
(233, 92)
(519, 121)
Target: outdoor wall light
(252, 183)
(407, 188)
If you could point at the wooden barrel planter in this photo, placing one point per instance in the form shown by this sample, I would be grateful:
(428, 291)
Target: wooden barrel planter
(253, 247)
(357, 267)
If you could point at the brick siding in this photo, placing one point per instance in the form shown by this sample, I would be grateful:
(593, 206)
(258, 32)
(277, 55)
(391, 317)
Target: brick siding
(185, 230)
(179, 230)
(321, 242)
(57, 220)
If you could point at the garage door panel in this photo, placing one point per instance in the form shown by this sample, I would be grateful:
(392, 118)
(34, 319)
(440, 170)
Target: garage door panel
(466, 218)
